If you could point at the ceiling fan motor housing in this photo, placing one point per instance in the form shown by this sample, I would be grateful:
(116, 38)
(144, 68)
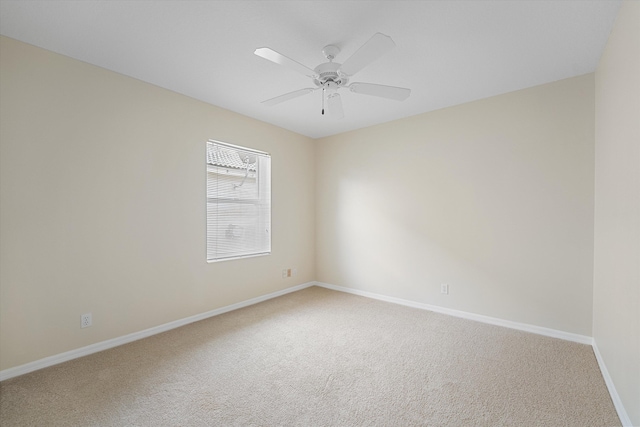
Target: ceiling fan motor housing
(328, 72)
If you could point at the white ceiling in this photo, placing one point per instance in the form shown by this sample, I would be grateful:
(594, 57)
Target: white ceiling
(448, 52)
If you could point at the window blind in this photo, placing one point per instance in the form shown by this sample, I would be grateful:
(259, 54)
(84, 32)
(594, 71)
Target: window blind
(238, 202)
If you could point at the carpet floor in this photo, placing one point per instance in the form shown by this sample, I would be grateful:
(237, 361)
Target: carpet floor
(321, 358)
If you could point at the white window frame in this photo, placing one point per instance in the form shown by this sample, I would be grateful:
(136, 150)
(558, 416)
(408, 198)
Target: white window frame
(263, 201)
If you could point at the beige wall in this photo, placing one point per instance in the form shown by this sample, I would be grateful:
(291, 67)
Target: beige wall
(493, 197)
(102, 209)
(616, 314)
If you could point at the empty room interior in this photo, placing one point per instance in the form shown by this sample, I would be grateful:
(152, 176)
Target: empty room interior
(320, 213)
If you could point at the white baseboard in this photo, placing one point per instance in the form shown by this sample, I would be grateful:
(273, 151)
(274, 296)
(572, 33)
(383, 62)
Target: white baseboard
(617, 402)
(104, 345)
(568, 336)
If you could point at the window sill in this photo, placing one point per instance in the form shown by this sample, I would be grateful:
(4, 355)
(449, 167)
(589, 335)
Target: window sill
(210, 261)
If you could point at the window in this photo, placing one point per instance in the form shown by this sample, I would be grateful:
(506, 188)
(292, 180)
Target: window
(238, 202)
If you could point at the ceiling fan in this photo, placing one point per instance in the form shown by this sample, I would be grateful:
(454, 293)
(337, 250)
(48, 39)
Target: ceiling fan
(332, 76)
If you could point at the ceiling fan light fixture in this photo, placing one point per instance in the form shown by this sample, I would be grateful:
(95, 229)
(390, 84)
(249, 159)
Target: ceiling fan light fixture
(331, 87)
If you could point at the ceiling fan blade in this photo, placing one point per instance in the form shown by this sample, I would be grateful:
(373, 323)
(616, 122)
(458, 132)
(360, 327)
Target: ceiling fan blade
(287, 96)
(373, 49)
(334, 106)
(390, 92)
(279, 58)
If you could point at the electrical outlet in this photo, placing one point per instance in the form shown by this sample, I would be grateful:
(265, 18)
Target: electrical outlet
(294, 271)
(444, 289)
(85, 320)
(284, 273)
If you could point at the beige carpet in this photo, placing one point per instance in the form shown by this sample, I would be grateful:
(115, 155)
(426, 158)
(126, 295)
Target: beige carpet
(321, 358)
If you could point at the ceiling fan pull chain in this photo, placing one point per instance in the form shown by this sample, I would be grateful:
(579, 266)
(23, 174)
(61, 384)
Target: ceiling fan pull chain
(323, 101)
